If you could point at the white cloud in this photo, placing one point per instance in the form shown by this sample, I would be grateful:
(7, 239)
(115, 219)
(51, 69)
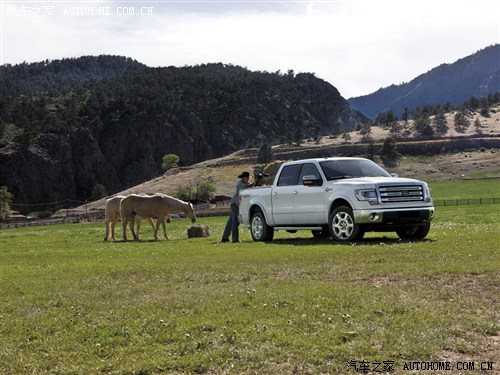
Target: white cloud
(358, 46)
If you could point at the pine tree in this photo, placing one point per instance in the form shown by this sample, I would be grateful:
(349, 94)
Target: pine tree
(298, 136)
(389, 152)
(346, 137)
(461, 122)
(477, 125)
(395, 130)
(422, 124)
(405, 114)
(365, 132)
(440, 123)
(265, 154)
(5, 201)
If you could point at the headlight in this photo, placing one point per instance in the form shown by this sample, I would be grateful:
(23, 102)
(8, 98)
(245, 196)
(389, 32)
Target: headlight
(369, 195)
(427, 193)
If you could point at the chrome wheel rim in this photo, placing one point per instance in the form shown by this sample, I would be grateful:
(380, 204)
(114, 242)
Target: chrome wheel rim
(342, 225)
(257, 227)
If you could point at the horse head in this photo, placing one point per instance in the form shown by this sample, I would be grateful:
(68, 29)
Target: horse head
(190, 212)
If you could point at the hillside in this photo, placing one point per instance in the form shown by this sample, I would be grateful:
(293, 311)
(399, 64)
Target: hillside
(67, 126)
(47, 76)
(460, 155)
(475, 75)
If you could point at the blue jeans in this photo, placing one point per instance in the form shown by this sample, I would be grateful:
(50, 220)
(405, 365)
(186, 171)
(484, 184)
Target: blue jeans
(232, 224)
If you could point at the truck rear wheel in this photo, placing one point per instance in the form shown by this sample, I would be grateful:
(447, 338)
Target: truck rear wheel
(415, 233)
(259, 229)
(342, 225)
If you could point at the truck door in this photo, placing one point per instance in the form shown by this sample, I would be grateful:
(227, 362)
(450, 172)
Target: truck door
(309, 206)
(282, 195)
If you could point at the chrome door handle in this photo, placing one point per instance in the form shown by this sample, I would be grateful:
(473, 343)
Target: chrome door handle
(327, 189)
(295, 192)
(275, 193)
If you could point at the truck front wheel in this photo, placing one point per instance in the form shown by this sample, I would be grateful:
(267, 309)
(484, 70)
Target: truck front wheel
(342, 225)
(416, 233)
(259, 228)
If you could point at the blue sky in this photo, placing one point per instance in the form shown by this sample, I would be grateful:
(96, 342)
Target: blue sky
(356, 45)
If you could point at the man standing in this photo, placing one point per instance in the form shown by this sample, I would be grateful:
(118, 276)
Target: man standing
(233, 223)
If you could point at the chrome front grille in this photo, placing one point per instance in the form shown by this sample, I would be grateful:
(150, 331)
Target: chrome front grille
(401, 193)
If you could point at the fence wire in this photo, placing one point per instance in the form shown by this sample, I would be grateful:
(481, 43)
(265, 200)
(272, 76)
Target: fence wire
(465, 201)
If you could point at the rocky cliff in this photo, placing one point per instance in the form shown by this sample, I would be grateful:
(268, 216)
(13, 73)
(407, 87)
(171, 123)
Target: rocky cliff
(64, 130)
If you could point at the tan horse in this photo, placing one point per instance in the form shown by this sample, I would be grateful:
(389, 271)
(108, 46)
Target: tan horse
(113, 215)
(158, 206)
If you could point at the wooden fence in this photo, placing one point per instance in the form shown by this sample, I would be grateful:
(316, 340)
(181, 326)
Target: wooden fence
(206, 210)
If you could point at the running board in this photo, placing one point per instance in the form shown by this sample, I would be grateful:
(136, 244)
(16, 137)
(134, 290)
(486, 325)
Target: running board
(297, 228)
(247, 228)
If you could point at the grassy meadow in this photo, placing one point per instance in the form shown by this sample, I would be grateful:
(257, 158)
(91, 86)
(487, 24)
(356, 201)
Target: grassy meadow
(484, 188)
(71, 303)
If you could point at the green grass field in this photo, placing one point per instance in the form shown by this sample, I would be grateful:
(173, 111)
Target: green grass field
(485, 188)
(72, 303)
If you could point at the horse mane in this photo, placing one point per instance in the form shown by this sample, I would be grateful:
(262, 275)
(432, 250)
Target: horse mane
(175, 203)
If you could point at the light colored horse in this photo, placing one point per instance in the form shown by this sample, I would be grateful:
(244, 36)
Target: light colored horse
(158, 206)
(113, 215)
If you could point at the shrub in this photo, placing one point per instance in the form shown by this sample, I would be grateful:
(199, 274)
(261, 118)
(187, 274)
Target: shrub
(485, 112)
(204, 191)
(170, 161)
(98, 192)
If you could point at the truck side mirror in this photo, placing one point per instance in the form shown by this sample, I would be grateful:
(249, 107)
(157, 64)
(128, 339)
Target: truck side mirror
(394, 175)
(312, 181)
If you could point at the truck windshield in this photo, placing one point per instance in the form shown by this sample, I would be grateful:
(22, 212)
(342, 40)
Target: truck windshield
(339, 169)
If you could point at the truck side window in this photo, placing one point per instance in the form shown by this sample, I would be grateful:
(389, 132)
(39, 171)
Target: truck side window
(288, 175)
(309, 169)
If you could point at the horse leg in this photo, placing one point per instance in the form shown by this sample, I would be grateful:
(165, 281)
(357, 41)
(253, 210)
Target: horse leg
(164, 227)
(106, 222)
(150, 221)
(126, 217)
(139, 220)
(155, 229)
(113, 224)
(132, 223)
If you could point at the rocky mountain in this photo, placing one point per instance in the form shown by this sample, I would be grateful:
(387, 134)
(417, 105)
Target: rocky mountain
(69, 125)
(475, 75)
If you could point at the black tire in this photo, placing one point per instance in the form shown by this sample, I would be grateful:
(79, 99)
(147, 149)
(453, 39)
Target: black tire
(415, 233)
(323, 233)
(259, 229)
(342, 226)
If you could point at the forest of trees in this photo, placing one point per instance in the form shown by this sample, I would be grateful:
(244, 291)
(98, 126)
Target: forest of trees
(109, 120)
(429, 120)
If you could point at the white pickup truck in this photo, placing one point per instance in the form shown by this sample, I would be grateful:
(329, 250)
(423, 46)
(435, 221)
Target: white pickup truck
(339, 197)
